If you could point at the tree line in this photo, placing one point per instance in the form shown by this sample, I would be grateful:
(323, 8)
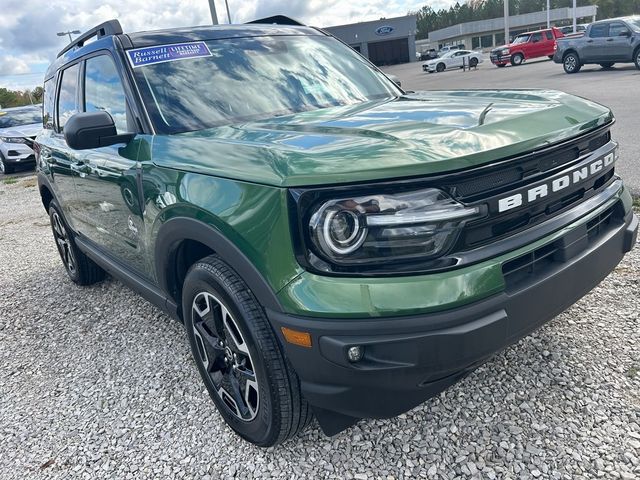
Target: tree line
(430, 20)
(13, 98)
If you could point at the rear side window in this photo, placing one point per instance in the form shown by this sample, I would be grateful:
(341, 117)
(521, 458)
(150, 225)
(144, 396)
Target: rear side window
(536, 37)
(48, 102)
(549, 35)
(599, 30)
(617, 28)
(103, 90)
(68, 98)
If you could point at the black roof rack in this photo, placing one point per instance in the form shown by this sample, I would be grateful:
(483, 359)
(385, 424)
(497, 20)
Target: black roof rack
(279, 20)
(111, 27)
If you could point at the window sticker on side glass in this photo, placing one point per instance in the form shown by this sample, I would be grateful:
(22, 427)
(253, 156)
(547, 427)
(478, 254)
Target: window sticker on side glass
(140, 57)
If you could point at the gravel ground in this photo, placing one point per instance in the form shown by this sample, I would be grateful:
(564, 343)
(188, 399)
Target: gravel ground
(97, 383)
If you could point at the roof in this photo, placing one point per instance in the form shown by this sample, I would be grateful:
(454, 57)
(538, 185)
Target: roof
(214, 32)
(105, 40)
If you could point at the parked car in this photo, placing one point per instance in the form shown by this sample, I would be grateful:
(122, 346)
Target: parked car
(605, 43)
(526, 46)
(449, 48)
(453, 59)
(18, 128)
(429, 54)
(568, 29)
(334, 245)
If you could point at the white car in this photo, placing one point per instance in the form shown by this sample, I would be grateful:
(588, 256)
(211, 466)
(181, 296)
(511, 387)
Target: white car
(453, 59)
(18, 128)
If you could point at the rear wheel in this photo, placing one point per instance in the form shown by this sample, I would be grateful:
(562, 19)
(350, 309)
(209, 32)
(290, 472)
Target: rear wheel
(440, 67)
(606, 65)
(571, 63)
(636, 58)
(239, 358)
(517, 59)
(80, 268)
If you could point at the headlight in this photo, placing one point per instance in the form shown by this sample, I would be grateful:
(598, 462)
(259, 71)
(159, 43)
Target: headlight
(13, 140)
(400, 227)
(504, 51)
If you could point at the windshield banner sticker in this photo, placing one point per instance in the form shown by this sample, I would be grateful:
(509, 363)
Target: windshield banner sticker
(140, 57)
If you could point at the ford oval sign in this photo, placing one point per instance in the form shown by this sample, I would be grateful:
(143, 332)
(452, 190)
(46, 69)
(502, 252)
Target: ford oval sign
(384, 30)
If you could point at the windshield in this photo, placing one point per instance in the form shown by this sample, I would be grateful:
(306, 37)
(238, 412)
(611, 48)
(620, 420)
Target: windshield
(16, 118)
(449, 54)
(254, 78)
(521, 39)
(634, 23)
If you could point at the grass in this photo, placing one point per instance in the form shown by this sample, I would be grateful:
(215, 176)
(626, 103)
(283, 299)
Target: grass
(636, 203)
(10, 181)
(633, 371)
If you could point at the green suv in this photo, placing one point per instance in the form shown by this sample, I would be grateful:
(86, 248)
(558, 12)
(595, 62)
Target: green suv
(336, 247)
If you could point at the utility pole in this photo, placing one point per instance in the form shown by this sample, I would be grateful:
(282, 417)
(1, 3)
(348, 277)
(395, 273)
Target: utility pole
(575, 21)
(548, 14)
(214, 15)
(226, 3)
(506, 22)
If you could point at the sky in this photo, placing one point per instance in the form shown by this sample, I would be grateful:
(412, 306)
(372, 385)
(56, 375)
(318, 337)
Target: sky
(28, 40)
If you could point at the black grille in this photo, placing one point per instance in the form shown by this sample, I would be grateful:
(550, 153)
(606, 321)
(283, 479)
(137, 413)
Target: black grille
(544, 260)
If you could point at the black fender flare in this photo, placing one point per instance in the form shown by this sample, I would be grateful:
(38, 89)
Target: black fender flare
(43, 181)
(178, 229)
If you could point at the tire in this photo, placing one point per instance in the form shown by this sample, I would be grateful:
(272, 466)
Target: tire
(239, 358)
(607, 65)
(5, 167)
(80, 268)
(473, 62)
(440, 67)
(517, 59)
(500, 65)
(636, 58)
(571, 63)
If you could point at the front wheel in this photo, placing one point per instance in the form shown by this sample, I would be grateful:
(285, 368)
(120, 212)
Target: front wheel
(440, 67)
(636, 58)
(252, 384)
(4, 167)
(571, 63)
(80, 268)
(517, 59)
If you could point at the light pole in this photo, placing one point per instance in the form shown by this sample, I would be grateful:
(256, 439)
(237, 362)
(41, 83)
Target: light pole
(226, 4)
(506, 22)
(575, 20)
(75, 32)
(214, 15)
(548, 14)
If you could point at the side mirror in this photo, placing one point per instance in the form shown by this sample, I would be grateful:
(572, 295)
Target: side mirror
(625, 33)
(87, 130)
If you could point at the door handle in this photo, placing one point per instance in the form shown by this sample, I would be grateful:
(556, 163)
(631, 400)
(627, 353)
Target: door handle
(609, 39)
(589, 41)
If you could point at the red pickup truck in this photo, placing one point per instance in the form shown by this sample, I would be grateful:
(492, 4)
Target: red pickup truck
(540, 43)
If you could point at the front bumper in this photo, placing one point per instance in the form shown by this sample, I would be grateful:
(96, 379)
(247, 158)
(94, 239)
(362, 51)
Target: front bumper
(429, 68)
(500, 60)
(17, 153)
(412, 358)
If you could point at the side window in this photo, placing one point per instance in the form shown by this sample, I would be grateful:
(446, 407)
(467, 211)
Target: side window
(536, 37)
(599, 30)
(549, 35)
(68, 97)
(616, 29)
(103, 90)
(48, 102)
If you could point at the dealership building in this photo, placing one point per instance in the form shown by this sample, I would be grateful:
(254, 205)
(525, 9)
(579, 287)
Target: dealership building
(385, 42)
(483, 34)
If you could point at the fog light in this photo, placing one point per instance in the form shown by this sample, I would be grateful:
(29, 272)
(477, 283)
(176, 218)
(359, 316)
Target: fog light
(355, 354)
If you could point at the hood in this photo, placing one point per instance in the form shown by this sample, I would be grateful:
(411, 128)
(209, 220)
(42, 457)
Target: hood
(22, 130)
(497, 49)
(417, 134)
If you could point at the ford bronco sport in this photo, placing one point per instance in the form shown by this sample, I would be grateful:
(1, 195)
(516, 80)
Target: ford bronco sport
(334, 245)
